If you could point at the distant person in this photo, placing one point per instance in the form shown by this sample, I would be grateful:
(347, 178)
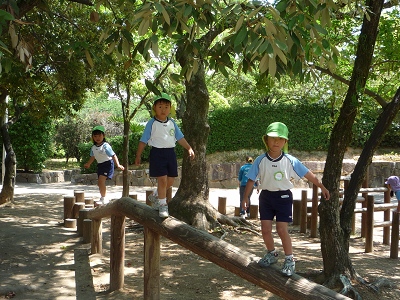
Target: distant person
(242, 177)
(393, 183)
(274, 169)
(103, 153)
(162, 133)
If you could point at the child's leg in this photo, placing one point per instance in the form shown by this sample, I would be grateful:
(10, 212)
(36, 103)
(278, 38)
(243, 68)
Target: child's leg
(101, 182)
(162, 183)
(282, 229)
(266, 230)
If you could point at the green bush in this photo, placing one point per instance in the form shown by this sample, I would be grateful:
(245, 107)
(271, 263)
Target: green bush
(235, 129)
(32, 141)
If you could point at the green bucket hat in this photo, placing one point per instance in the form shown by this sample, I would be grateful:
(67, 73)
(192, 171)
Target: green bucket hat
(278, 129)
(166, 97)
(163, 96)
(99, 128)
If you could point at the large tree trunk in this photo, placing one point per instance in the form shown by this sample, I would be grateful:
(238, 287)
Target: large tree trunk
(190, 203)
(334, 239)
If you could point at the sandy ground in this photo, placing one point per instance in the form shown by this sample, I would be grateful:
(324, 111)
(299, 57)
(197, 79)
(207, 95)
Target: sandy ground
(41, 259)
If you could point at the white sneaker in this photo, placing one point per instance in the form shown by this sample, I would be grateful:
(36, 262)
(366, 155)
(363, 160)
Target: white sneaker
(106, 201)
(163, 211)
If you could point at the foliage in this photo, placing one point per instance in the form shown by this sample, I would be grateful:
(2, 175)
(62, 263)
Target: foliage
(71, 131)
(239, 128)
(34, 138)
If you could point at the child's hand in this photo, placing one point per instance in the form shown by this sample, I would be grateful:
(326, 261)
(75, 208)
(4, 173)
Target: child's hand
(191, 153)
(86, 166)
(137, 161)
(121, 167)
(325, 193)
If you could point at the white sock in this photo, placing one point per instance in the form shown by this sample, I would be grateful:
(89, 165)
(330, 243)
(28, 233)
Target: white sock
(163, 201)
(289, 256)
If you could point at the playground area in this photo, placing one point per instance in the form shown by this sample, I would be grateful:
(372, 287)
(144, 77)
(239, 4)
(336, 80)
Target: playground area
(38, 255)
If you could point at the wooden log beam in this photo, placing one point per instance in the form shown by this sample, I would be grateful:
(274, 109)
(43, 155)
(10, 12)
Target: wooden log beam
(223, 254)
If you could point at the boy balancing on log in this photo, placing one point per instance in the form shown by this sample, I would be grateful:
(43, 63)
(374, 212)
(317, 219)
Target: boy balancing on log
(274, 169)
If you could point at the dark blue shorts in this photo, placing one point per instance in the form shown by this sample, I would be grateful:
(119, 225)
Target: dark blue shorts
(276, 204)
(163, 162)
(106, 169)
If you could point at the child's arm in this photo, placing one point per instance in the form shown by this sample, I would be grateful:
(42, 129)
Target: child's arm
(139, 152)
(89, 162)
(311, 177)
(116, 162)
(247, 190)
(186, 145)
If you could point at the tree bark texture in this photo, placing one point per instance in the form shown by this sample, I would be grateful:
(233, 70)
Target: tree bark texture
(190, 203)
(7, 192)
(334, 239)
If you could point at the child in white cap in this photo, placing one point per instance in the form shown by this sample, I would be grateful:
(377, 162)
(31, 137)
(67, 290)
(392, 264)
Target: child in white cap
(393, 183)
(274, 169)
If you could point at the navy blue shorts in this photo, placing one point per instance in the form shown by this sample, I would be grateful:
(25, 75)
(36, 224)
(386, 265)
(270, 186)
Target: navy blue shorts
(276, 204)
(163, 162)
(106, 169)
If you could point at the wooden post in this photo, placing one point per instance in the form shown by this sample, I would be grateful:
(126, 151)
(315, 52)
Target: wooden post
(369, 228)
(169, 194)
(87, 230)
(148, 193)
(77, 207)
(364, 205)
(151, 264)
(68, 206)
(314, 212)
(394, 245)
(237, 211)
(89, 202)
(82, 216)
(79, 195)
(386, 217)
(222, 205)
(97, 237)
(296, 215)
(303, 212)
(70, 223)
(254, 211)
(133, 196)
(117, 252)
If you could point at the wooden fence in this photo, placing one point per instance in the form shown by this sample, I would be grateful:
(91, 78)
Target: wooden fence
(223, 254)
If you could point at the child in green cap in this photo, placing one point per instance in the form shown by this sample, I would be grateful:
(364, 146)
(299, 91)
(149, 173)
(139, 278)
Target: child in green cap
(102, 152)
(162, 133)
(274, 169)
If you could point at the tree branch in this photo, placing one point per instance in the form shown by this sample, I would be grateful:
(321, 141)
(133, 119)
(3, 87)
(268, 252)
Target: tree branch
(382, 102)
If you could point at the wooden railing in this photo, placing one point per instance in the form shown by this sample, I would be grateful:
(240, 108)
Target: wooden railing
(223, 254)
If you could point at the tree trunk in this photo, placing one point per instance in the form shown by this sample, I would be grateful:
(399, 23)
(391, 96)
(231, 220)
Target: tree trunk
(7, 192)
(125, 157)
(333, 231)
(190, 203)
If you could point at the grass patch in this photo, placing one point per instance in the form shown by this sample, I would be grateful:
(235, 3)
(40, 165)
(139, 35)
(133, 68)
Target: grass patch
(61, 164)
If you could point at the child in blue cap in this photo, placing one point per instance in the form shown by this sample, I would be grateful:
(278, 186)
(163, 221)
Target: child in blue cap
(393, 183)
(274, 169)
(103, 153)
(162, 133)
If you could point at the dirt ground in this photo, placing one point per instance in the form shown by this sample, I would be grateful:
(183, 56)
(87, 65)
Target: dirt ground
(41, 259)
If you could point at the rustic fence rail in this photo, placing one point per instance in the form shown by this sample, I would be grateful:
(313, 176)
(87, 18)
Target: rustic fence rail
(223, 254)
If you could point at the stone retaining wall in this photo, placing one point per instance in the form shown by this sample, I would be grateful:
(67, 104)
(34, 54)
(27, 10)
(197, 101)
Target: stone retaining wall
(222, 175)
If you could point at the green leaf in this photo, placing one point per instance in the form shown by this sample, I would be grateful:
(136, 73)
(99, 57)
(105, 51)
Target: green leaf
(151, 87)
(240, 36)
(281, 6)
